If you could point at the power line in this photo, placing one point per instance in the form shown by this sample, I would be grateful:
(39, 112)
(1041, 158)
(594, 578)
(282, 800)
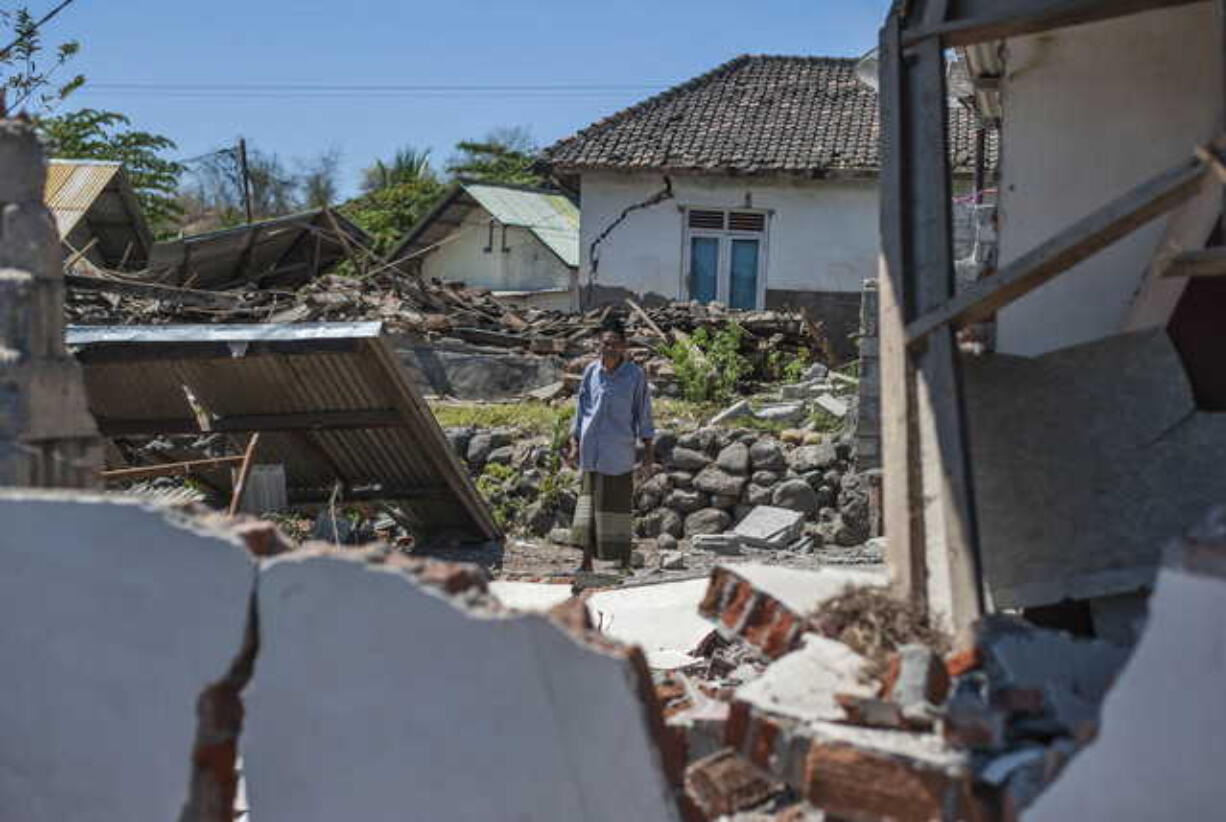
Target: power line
(4, 52)
(368, 87)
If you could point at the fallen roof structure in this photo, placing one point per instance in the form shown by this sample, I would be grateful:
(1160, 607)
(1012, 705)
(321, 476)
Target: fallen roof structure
(284, 252)
(97, 213)
(550, 215)
(330, 401)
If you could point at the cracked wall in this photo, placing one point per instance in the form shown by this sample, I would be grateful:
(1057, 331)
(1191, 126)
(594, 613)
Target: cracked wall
(144, 650)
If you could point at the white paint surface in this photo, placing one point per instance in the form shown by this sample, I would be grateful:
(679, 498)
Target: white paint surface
(821, 236)
(376, 699)
(526, 265)
(661, 619)
(802, 684)
(1162, 742)
(115, 619)
(1090, 112)
(801, 590)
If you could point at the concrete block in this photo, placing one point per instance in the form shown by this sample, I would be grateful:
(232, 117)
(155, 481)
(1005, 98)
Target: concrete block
(832, 405)
(770, 527)
(420, 709)
(725, 783)
(118, 616)
(726, 544)
(1162, 741)
(803, 684)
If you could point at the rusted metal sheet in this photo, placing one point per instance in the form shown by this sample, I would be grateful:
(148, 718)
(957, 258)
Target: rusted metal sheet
(331, 401)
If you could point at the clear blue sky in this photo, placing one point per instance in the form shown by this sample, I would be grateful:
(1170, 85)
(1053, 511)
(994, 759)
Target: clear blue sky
(627, 49)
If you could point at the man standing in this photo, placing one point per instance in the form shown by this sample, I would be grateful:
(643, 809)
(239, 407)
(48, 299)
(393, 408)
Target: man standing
(614, 413)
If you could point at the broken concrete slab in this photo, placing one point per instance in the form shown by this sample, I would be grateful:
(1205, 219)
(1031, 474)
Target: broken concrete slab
(770, 527)
(832, 405)
(432, 695)
(118, 615)
(1163, 731)
(1126, 461)
(803, 684)
(737, 409)
(783, 412)
(726, 544)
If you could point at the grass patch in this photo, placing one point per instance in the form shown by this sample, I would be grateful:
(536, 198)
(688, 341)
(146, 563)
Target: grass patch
(534, 418)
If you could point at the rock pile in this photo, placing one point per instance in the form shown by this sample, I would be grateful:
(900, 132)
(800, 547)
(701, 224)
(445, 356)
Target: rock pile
(707, 481)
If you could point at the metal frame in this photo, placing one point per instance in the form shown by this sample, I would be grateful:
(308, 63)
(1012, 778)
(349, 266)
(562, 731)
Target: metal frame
(929, 495)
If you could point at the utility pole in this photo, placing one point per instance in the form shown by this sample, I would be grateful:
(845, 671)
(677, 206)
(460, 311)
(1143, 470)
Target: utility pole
(246, 175)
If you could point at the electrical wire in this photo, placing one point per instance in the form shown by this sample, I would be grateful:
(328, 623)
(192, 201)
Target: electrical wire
(4, 52)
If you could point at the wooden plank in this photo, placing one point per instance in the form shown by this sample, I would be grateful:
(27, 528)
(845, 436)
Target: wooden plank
(152, 291)
(245, 423)
(637, 309)
(244, 471)
(901, 513)
(938, 466)
(1207, 262)
(185, 467)
(1188, 228)
(978, 21)
(1088, 235)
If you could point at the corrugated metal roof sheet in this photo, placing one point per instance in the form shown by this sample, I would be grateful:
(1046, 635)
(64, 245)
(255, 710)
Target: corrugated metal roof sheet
(332, 403)
(96, 197)
(284, 251)
(552, 217)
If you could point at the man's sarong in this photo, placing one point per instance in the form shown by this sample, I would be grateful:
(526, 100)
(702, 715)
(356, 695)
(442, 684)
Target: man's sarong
(604, 516)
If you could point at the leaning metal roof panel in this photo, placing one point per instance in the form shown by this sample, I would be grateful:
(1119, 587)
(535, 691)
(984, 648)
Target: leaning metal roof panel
(95, 199)
(331, 402)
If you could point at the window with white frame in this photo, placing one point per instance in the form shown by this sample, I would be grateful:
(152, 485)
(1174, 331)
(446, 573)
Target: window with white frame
(725, 257)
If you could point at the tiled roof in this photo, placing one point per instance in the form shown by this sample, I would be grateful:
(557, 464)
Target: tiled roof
(752, 115)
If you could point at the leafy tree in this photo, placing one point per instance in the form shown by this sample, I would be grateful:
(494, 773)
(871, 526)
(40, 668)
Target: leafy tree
(504, 156)
(25, 79)
(90, 134)
(409, 165)
(320, 184)
(388, 213)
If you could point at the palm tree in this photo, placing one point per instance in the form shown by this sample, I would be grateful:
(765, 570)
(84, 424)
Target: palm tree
(409, 165)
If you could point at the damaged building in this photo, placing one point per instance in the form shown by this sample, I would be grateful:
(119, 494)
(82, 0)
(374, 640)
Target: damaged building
(776, 206)
(1044, 640)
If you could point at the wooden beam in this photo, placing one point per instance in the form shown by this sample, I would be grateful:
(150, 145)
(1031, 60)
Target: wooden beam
(152, 291)
(185, 467)
(937, 517)
(244, 471)
(243, 423)
(1207, 262)
(1084, 238)
(978, 21)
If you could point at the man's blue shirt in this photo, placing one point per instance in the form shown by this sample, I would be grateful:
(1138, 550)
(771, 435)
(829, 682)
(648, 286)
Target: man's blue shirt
(614, 413)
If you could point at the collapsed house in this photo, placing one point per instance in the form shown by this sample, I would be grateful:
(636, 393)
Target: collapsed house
(521, 243)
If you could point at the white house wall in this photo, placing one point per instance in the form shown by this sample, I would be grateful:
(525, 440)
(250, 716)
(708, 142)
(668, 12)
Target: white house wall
(528, 265)
(1091, 111)
(822, 235)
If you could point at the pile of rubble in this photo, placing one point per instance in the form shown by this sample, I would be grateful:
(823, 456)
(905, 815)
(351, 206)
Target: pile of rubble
(409, 305)
(857, 708)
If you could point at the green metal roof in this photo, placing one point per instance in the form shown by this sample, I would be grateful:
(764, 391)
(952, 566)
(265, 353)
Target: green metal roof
(551, 217)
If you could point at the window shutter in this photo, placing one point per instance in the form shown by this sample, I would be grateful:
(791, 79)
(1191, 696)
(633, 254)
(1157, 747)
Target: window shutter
(706, 219)
(746, 221)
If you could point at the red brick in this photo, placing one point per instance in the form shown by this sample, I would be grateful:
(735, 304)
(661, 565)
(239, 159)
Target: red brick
(725, 783)
(263, 538)
(960, 662)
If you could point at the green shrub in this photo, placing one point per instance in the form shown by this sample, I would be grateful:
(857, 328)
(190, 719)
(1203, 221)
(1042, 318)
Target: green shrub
(714, 374)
